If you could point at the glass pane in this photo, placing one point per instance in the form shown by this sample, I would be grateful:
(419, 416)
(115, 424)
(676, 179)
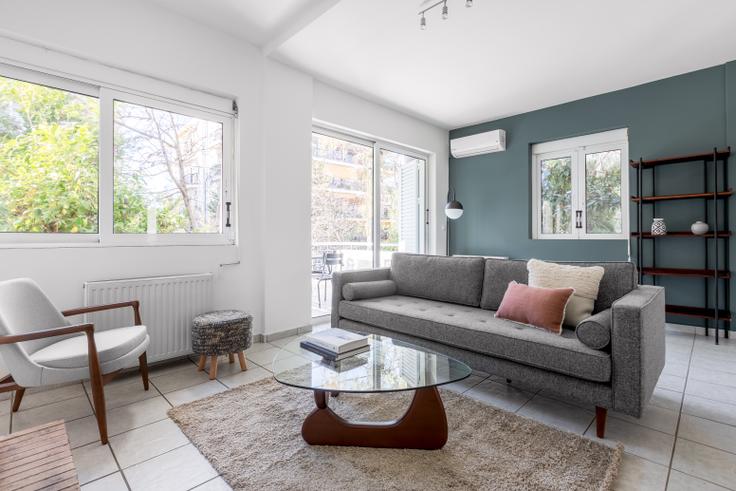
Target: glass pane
(556, 199)
(48, 159)
(603, 192)
(342, 212)
(168, 172)
(400, 210)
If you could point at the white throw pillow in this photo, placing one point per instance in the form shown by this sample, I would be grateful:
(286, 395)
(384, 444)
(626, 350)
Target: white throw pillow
(585, 281)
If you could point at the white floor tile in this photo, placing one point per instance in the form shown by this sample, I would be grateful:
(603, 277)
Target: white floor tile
(708, 432)
(708, 362)
(217, 484)
(682, 482)
(671, 382)
(713, 376)
(135, 446)
(251, 375)
(705, 462)
(124, 391)
(637, 474)
(668, 399)
(714, 392)
(264, 357)
(67, 410)
(654, 417)
(180, 469)
(93, 461)
(113, 482)
(464, 384)
(179, 379)
(676, 369)
(500, 395)
(35, 398)
(284, 341)
(558, 414)
(288, 363)
(256, 347)
(195, 392)
(4, 424)
(640, 441)
(708, 409)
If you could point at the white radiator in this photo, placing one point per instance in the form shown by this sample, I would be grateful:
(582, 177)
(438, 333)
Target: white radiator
(168, 304)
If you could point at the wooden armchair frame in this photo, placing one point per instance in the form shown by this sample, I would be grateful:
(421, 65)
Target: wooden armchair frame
(97, 379)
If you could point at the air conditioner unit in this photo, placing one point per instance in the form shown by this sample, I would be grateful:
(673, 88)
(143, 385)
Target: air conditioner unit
(488, 142)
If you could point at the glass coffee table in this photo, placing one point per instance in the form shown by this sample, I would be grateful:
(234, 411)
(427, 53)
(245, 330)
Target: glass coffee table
(389, 366)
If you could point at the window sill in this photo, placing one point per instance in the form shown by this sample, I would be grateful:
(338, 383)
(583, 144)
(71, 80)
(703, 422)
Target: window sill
(99, 245)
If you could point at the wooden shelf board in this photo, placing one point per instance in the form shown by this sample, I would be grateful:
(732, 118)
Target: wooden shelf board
(699, 312)
(685, 272)
(683, 233)
(667, 197)
(693, 157)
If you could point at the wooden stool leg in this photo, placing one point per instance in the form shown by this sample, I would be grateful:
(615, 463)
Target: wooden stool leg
(231, 357)
(243, 364)
(202, 361)
(213, 367)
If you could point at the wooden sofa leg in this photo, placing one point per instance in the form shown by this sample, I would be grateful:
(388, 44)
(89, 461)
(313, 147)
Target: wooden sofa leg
(143, 364)
(600, 421)
(18, 397)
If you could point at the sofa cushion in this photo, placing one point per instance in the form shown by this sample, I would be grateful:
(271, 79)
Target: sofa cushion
(368, 289)
(595, 331)
(72, 352)
(543, 308)
(618, 279)
(478, 330)
(447, 279)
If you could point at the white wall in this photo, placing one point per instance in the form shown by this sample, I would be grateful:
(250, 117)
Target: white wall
(277, 105)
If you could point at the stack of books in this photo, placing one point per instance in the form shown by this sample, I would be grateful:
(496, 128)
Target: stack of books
(335, 344)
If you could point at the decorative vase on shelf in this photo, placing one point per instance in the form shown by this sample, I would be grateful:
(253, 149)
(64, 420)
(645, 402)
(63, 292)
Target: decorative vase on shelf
(658, 227)
(699, 228)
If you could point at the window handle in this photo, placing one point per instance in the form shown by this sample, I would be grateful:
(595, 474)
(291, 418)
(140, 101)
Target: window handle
(578, 218)
(227, 209)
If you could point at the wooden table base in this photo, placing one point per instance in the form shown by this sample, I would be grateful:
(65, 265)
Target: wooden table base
(423, 426)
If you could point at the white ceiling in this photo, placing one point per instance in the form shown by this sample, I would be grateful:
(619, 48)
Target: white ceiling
(489, 61)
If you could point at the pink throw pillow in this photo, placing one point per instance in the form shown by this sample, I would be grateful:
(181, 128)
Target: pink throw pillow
(539, 307)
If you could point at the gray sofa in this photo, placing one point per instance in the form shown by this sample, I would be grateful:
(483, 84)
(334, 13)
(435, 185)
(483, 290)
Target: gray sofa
(612, 360)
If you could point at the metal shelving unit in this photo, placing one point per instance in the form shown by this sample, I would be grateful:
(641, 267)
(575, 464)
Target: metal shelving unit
(712, 271)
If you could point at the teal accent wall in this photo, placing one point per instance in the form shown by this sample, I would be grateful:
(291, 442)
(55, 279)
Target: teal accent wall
(684, 114)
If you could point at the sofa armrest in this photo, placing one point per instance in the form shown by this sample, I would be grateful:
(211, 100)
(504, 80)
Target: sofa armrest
(341, 277)
(637, 347)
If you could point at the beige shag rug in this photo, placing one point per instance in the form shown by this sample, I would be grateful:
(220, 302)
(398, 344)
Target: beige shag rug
(252, 436)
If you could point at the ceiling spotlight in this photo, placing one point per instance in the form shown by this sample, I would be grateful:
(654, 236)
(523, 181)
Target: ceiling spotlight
(468, 3)
(445, 12)
(422, 23)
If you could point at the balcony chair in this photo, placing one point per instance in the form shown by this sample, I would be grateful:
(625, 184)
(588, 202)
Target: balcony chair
(40, 347)
(330, 260)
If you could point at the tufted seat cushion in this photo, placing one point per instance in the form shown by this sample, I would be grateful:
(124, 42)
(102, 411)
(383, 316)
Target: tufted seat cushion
(72, 352)
(478, 330)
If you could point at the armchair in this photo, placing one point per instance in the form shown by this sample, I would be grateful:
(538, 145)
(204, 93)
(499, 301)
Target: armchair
(41, 347)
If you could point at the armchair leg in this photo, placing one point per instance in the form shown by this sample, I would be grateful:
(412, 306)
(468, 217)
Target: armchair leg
(98, 397)
(600, 421)
(18, 397)
(143, 364)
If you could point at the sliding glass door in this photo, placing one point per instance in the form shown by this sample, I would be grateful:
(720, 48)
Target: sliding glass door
(367, 203)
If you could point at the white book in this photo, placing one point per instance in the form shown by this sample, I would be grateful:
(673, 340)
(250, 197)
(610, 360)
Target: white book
(338, 340)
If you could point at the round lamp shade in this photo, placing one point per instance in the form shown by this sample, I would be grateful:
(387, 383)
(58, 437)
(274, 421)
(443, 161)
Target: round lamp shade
(454, 210)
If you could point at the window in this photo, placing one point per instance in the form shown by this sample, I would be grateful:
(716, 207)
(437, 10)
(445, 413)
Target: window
(367, 203)
(579, 187)
(84, 163)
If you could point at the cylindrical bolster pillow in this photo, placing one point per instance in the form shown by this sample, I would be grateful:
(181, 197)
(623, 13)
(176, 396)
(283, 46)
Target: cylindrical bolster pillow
(595, 331)
(368, 289)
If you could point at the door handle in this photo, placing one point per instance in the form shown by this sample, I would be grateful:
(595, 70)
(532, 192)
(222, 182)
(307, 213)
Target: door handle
(578, 218)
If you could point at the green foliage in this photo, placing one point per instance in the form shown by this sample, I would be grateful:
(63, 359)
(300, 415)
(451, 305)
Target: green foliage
(556, 182)
(48, 159)
(603, 192)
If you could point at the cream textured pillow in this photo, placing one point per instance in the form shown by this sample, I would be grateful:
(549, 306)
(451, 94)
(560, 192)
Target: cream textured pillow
(585, 281)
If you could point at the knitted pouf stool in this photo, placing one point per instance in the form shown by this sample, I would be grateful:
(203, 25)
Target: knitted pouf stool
(223, 332)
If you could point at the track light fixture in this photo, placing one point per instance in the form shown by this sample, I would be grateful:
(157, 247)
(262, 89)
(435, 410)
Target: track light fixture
(445, 11)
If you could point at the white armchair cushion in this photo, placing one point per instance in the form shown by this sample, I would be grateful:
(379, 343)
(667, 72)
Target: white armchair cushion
(72, 352)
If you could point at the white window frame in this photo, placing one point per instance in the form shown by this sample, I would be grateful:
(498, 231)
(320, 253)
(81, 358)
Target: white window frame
(577, 148)
(377, 145)
(105, 236)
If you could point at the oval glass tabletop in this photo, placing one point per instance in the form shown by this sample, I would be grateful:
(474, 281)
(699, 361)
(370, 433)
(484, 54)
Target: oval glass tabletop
(390, 365)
